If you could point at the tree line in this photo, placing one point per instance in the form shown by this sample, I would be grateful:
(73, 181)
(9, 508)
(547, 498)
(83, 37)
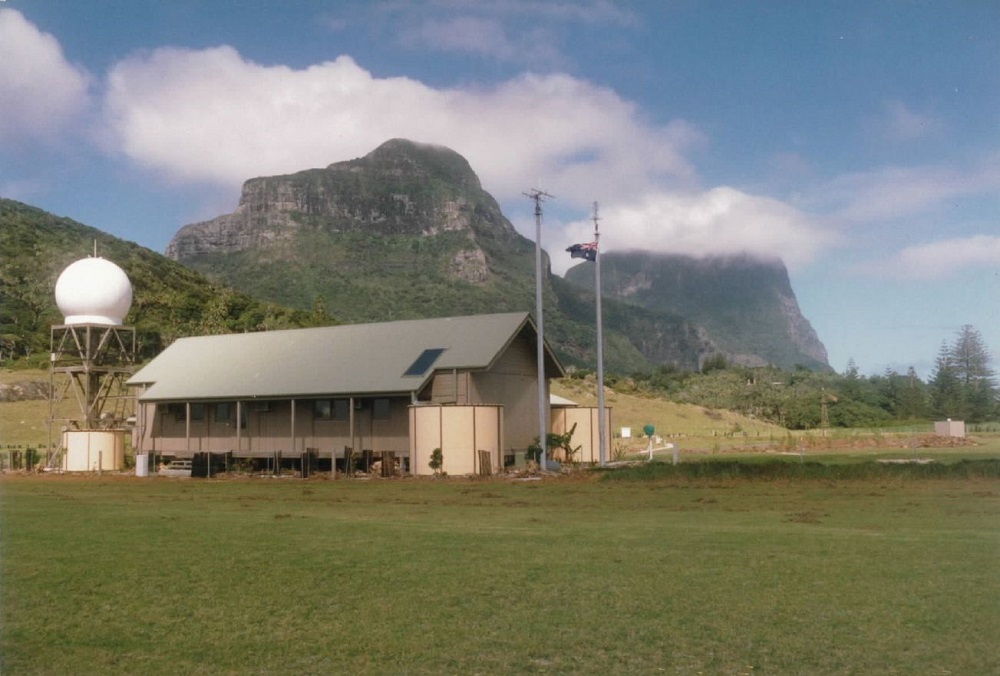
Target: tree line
(962, 387)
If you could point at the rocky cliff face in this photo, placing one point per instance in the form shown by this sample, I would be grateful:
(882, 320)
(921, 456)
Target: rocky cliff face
(401, 188)
(746, 305)
(405, 231)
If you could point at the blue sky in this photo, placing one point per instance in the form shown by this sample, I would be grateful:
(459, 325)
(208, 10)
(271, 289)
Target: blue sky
(857, 141)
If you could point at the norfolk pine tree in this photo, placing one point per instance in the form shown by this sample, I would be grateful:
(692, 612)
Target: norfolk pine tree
(963, 385)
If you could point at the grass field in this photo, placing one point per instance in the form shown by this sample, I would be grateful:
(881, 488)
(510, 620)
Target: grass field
(839, 569)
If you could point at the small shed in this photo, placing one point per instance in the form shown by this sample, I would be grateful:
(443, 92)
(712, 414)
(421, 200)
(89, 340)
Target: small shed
(950, 428)
(567, 413)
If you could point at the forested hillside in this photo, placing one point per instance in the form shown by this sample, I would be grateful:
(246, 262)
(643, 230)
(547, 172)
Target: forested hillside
(170, 300)
(962, 387)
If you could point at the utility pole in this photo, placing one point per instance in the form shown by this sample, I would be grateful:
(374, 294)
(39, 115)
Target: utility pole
(601, 422)
(538, 196)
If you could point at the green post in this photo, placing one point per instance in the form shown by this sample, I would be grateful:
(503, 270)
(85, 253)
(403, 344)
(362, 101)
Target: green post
(649, 431)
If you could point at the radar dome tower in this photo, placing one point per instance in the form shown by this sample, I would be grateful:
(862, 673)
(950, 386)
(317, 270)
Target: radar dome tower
(92, 355)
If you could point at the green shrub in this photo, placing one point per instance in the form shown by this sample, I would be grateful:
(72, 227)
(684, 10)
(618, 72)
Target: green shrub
(772, 470)
(437, 459)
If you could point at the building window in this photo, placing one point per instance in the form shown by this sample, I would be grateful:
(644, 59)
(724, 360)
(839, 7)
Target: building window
(223, 413)
(332, 409)
(179, 411)
(381, 409)
(197, 412)
(341, 409)
(323, 409)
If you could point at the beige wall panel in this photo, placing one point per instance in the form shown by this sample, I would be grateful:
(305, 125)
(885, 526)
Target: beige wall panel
(459, 431)
(587, 433)
(425, 436)
(488, 433)
(457, 440)
(90, 451)
(518, 395)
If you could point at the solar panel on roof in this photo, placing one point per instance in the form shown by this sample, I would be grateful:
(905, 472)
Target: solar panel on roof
(422, 363)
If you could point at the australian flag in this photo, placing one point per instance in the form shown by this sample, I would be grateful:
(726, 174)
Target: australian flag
(588, 251)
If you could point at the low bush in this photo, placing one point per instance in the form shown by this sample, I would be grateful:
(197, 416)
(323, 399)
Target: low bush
(786, 470)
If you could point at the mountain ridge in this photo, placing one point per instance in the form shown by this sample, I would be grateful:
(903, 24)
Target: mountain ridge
(746, 303)
(408, 231)
(404, 232)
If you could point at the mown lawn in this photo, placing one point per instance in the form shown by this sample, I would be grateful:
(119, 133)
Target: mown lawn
(877, 573)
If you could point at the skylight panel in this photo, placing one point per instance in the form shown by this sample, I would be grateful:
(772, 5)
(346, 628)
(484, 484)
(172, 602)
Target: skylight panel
(424, 362)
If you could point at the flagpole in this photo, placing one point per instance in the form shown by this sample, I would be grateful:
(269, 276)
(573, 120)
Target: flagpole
(538, 196)
(601, 422)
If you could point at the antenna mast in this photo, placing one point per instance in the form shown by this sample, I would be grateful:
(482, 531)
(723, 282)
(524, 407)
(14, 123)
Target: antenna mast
(601, 422)
(539, 196)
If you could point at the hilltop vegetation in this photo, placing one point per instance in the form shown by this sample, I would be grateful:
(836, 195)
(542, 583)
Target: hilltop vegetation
(170, 300)
(962, 387)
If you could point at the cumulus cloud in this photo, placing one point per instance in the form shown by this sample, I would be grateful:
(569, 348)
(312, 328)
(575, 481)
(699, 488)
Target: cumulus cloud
(40, 92)
(942, 259)
(481, 36)
(892, 192)
(524, 32)
(210, 115)
(576, 11)
(720, 221)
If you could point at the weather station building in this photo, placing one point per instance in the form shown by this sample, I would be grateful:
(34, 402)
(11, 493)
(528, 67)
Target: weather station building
(396, 390)
(92, 355)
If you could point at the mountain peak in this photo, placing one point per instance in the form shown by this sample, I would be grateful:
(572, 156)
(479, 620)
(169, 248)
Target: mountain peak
(401, 158)
(401, 187)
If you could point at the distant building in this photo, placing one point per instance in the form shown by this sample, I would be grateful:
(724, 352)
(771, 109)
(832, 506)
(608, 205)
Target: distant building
(950, 428)
(462, 384)
(584, 421)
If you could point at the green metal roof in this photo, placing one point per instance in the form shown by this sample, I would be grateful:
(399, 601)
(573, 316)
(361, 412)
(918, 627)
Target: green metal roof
(349, 360)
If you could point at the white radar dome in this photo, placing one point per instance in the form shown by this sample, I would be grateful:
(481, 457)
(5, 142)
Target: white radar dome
(94, 291)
